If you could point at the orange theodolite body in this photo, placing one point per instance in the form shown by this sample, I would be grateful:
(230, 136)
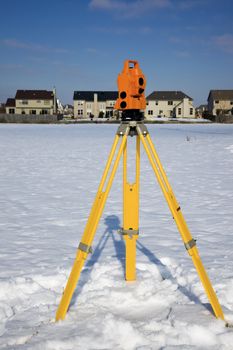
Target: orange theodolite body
(131, 86)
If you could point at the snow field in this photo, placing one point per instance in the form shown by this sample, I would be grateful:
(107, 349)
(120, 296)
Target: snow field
(48, 178)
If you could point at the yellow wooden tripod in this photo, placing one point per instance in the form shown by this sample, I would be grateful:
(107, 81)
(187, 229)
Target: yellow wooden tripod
(130, 214)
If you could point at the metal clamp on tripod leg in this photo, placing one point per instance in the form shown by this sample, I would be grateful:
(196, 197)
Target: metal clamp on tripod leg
(190, 244)
(129, 232)
(85, 248)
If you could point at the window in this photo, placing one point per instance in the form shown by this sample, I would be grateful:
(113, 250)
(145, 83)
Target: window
(24, 102)
(11, 111)
(150, 112)
(179, 111)
(191, 111)
(231, 102)
(156, 103)
(44, 111)
(80, 112)
(216, 102)
(46, 102)
(89, 105)
(161, 111)
(32, 111)
(23, 112)
(38, 101)
(80, 103)
(170, 103)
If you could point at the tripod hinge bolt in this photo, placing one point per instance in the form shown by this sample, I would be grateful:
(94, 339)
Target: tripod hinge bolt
(122, 130)
(190, 244)
(142, 129)
(85, 248)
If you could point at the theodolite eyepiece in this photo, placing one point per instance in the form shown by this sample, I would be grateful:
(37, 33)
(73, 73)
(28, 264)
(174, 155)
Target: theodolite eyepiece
(131, 86)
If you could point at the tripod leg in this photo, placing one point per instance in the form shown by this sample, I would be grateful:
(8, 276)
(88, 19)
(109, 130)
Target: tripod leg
(130, 214)
(189, 242)
(91, 226)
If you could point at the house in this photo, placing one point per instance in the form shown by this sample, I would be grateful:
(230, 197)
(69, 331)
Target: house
(200, 110)
(68, 110)
(89, 104)
(171, 104)
(32, 102)
(10, 106)
(220, 102)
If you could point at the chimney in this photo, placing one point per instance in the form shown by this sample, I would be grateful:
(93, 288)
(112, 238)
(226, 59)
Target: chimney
(54, 101)
(95, 105)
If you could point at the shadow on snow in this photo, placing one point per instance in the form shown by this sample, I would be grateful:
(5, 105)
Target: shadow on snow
(112, 223)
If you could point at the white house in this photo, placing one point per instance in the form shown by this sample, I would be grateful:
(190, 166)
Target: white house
(32, 102)
(169, 104)
(94, 103)
(200, 110)
(220, 102)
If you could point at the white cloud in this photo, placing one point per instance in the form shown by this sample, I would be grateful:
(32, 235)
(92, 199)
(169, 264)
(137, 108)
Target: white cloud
(108, 4)
(31, 46)
(92, 50)
(224, 42)
(129, 8)
(182, 54)
(190, 4)
(123, 30)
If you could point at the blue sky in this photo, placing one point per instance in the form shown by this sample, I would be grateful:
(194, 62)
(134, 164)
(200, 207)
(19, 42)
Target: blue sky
(82, 44)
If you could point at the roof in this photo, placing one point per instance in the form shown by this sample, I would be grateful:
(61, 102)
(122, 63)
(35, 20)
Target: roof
(10, 102)
(34, 95)
(221, 94)
(202, 107)
(89, 95)
(167, 96)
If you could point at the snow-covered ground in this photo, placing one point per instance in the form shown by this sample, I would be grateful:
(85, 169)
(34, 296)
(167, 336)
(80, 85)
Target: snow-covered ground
(49, 175)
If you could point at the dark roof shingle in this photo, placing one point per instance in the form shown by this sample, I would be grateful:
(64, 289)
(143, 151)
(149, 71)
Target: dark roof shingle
(89, 95)
(221, 94)
(168, 96)
(10, 102)
(34, 95)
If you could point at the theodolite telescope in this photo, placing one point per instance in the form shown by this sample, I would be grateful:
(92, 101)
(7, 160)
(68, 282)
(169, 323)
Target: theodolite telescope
(131, 86)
